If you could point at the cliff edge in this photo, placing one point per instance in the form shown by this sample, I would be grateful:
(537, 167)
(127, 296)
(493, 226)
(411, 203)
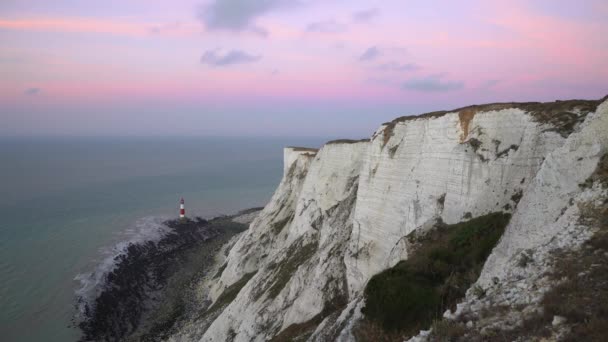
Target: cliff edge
(344, 213)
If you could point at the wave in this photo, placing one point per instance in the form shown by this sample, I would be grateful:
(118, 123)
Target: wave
(115, 297)
(92, 284)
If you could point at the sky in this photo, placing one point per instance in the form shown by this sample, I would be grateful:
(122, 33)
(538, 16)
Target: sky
(334, 68)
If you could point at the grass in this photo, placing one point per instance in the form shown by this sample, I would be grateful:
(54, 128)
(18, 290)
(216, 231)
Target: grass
(248, 211)
(445, 330)
(479, 291)
(542, 111)
(299, 331)
(506, 151)
(517, 196)
(582, 295)
(303, 149)
(298, 254)
(525, 258)
(231, 292)
(558, 114)
(220, 270)
(600, 175)
(445, 262)
(335, 301)
(345, 141)
(393, 150)
(475, 144)
(277, 226)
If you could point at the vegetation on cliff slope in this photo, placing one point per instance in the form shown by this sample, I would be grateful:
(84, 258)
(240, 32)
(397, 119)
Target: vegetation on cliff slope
(582, 294)
(580, 298)
(445, 262)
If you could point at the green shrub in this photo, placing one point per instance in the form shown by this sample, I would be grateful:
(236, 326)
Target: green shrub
(479, 291)
(581, 295)
(524, 260)
(443, 265)
(299, 252)
(231, 292)
(445, 330)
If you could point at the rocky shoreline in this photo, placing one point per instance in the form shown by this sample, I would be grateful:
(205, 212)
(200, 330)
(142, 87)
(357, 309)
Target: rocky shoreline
(151, 287)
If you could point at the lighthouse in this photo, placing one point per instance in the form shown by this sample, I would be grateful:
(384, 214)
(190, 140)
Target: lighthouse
(182, 209)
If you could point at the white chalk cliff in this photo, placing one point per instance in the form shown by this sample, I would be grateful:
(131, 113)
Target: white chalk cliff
(340, 215)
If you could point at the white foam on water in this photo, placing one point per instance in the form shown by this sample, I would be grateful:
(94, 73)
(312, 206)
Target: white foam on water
(92, 283)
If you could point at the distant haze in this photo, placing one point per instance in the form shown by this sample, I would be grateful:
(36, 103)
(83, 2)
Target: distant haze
(284, 67)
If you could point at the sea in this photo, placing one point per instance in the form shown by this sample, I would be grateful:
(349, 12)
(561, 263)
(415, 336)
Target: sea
(69, 205)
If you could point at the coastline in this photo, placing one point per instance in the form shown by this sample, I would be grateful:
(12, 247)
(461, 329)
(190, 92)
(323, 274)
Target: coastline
(152, 286)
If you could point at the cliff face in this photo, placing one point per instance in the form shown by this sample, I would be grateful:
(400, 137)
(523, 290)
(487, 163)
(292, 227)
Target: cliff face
(342, 214)
(449, 166)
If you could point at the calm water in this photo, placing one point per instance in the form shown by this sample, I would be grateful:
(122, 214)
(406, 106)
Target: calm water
(64, 202)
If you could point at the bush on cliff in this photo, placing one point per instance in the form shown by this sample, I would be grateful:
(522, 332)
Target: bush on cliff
(443, 265)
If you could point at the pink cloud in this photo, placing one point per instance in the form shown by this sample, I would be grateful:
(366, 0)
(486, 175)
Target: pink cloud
(557, 40)
(504, 41)
(91, 25)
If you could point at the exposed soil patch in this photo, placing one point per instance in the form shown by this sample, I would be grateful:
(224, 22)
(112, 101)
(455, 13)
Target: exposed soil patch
(465, 116)
(387, 133)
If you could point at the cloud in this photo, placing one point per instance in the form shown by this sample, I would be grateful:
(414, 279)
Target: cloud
(232, 57)
(118, 27)
(394, 66)
(237, 15)
(260, 31)
(432, 83)
(327, 26)
(32, 91)
(75, 24)
(370, 54)
(366, 15)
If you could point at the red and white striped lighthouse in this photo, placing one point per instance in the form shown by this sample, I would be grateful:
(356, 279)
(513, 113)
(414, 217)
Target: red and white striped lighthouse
(182, 210)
